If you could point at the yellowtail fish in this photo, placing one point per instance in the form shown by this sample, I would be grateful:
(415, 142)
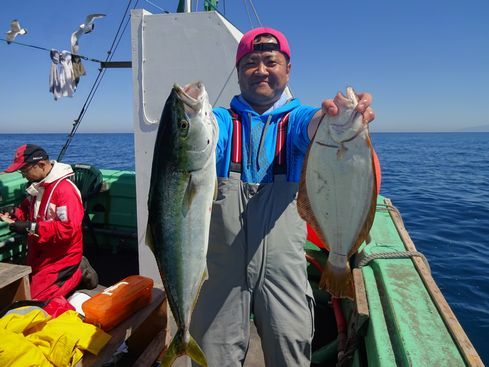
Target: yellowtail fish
(183, 179)
(337, 191)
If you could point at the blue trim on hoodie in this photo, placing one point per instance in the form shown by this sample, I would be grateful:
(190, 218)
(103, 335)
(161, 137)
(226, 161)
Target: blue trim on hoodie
(259, 169)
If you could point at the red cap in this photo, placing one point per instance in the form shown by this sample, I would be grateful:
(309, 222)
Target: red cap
(247, 46)
(27, 154)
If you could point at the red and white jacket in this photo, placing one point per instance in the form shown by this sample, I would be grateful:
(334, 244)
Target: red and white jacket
(55, 250)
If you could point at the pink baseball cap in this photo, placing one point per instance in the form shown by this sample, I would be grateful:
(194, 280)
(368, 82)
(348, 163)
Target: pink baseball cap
(247, 46)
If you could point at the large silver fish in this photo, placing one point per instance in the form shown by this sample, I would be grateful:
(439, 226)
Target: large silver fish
(337, 191)
(183, 179)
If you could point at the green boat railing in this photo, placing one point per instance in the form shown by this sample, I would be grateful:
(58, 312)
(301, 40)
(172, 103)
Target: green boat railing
(399, 316)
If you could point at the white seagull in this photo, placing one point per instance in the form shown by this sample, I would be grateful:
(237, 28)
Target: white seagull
(84, 28)
(15, 29)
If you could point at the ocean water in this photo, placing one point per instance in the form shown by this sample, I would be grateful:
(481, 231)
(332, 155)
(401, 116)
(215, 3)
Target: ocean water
(438, 181)
(440, 184)
(112, 151)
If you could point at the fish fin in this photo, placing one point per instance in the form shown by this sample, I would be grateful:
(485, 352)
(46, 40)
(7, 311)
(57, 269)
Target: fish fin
(338, 280)
(149, 238)
(216, 187)
(196, 353)
(178, 347)
(304, 205)
(369, 221)
(205, 276)
(189, 195)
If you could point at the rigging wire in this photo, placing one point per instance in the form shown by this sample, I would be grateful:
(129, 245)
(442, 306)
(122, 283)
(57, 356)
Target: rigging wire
(110, 53)
(98, 80)
(256, 14)
(248, 13)
(248, 4)
(224, 85)
(156, 6)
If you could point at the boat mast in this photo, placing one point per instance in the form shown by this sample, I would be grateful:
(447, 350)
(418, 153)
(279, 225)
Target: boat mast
(184, 6)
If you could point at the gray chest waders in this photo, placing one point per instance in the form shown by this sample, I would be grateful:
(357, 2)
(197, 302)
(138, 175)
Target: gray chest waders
(256, 267)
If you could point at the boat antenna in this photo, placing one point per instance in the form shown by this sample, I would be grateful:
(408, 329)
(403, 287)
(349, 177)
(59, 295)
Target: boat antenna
(101, 72)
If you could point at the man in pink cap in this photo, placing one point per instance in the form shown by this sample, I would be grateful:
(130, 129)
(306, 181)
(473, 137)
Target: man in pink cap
(256, 257)
(51, 217)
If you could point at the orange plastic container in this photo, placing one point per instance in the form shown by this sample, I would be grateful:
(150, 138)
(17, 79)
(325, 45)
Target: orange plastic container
(118, 302)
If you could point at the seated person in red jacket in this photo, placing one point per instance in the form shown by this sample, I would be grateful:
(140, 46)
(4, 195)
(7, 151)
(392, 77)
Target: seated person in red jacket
(51, 216)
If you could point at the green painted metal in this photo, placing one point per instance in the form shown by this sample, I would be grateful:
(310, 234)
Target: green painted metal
(116, 206)
(12, 189)
(114, 210)
(405, 327)
(210, 5)
(377, 340)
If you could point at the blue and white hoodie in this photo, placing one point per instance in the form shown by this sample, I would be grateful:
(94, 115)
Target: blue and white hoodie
(259, 134)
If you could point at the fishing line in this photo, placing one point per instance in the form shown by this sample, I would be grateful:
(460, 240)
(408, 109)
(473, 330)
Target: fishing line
(98, 79)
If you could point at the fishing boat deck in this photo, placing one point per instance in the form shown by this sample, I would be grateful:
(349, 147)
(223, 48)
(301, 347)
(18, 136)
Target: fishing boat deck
(410, 322)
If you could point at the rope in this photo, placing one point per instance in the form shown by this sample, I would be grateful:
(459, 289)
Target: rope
(393, 255)
(388, 208)
(49, 50)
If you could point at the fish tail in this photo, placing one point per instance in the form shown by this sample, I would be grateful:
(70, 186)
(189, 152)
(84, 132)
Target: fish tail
(179, 347)
(338, 280)
(194, 352)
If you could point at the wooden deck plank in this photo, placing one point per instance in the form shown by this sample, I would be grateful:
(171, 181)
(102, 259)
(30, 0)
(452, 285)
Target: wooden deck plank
(14, 283)
(9, 273)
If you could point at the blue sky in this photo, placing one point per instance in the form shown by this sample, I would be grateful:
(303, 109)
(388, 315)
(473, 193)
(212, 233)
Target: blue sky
(425, 62)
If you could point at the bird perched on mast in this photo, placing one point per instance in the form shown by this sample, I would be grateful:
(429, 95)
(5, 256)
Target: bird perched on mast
(84, 28)
(15, 29)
